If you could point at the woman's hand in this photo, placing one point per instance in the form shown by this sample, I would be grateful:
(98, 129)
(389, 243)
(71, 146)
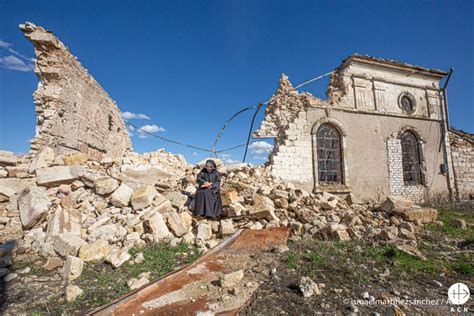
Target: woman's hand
(206, 185)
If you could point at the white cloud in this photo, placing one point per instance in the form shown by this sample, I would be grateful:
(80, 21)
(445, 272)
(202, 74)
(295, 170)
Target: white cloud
(260, 147)
(260, 158)
(138, 116)
(195, 153)
(4, 44)
(229, 161)
(145, 129)
(14, 63)
(130, 129)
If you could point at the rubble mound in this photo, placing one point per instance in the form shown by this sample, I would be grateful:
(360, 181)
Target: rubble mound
(74, 209)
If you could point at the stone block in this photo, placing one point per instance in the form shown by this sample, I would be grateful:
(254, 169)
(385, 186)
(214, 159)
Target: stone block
(157, 226)
(75, 159)
(68, 244)
(105, 186)
(72, 268)
(176, 225)
(229, 197)
(96, 251)
(54, 176)
(142, 197)
(33, 204)
(121, 197)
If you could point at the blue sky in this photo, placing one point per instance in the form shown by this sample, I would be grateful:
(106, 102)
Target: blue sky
(189, 65)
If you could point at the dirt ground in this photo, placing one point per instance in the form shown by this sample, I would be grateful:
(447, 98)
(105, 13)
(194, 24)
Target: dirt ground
(366, 277)
(372, 279)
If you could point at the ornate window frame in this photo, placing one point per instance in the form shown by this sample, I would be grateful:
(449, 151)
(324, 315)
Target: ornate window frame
(337, 188)
(412, 100)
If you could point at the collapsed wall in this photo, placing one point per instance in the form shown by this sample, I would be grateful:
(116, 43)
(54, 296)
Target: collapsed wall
(462, 152)
(285, 121)
(73, 112)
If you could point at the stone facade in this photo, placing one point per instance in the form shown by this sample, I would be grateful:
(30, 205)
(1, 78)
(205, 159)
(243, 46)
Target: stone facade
(371, 104)
(73, 112)
(462, 151)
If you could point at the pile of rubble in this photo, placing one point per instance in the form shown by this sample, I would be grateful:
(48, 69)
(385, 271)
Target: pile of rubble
(72, 209)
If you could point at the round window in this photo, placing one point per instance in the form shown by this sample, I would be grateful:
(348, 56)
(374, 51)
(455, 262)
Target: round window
(407, 103)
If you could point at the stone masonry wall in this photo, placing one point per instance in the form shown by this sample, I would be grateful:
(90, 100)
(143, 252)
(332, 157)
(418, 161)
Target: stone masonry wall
(286, 122)
(462, 151)
(395, 171)
(292, 157)
(74, 113)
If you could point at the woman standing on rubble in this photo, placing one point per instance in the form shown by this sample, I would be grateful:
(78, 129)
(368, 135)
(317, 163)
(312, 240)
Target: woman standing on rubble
(208, 197)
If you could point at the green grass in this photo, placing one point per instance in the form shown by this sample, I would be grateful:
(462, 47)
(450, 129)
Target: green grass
(101, 283)
(343, 257)
(463, 264)
(446, 216)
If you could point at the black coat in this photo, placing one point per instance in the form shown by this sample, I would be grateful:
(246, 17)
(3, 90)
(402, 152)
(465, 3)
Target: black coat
(208, 201)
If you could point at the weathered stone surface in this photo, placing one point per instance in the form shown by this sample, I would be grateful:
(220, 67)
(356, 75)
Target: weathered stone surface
(75, 159)
(341, 234)
(132, 239)
(204, 231)
(351, 198)
(261, 203)
(329, 205)
(458, 223)
(72, 293)
(162, 204)
(231, 279)
(43, 159)
(395, 204)
(422, 214)
(176, 225)
(96, 251)
(227, 228)
(411, 251)
(186, 220)
(389, 233)
(17, 185)
(74, 113)
(5, 193)
(53, 176)
(53, 263)
(136, 283)
(72, 268)
(177, 199)
(68, 244)
(105, 186)
(121, 197)
(142, 197)
(7, 158)
(406, 234)
(157, 226)
(33, 204)
(308, 287)
(235, 209)
(105, 232)
(18, 171)
(229, 197)
(118, 257)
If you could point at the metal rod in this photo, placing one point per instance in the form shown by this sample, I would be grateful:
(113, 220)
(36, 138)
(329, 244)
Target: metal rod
(250, 131)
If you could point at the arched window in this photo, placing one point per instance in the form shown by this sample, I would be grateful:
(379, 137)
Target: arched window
(410, 159)
(329, 152)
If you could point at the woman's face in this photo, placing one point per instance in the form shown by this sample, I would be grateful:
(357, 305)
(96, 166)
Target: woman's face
(209, 167)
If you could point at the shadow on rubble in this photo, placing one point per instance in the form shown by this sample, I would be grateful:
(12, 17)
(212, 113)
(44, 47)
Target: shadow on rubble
(6, 254)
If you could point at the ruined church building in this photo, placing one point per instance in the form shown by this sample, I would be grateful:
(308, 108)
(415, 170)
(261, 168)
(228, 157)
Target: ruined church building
(382, 131)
